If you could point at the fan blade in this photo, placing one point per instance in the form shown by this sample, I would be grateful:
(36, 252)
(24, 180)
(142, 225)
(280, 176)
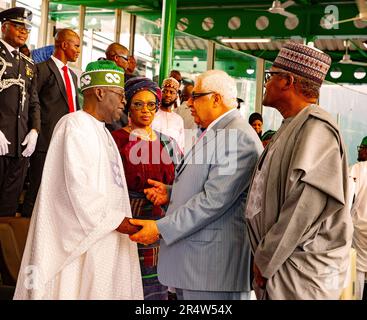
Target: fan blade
(347, 60)
(362, 7)
(342, 21)
(357, 63)
(288, 14)
(287, 4)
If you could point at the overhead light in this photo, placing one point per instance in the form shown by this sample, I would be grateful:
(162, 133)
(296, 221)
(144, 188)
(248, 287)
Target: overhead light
(250, 70)
(246, 40)
(335, 73)
(359, 74)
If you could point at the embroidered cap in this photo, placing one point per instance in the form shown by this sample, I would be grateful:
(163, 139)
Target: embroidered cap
(364, 141)
(304, 61)
(17, 15)
(102, 73)
(171, 82)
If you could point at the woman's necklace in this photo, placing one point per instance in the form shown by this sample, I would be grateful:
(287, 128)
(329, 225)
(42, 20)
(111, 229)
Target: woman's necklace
(142, 133)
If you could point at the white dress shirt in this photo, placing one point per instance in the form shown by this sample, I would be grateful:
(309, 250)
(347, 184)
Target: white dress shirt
(59, 65)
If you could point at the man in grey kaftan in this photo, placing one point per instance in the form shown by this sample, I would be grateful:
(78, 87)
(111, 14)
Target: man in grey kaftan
(298, 218)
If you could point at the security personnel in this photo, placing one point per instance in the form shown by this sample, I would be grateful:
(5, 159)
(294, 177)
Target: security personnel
(20, 109)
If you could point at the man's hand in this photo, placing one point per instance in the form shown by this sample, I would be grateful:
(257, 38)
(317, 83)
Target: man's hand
(259, 279)
(158, 195)
(148, 235)
(30, 140)
(4, 149)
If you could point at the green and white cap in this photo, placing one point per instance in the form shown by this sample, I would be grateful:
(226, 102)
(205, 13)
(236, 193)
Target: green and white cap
(102, 73)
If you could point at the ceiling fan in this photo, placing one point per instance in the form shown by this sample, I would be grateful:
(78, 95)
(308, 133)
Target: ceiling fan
(362, 15)
(346, 57)
(279, 8)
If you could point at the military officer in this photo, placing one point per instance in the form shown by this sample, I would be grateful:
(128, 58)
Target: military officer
(20, 108)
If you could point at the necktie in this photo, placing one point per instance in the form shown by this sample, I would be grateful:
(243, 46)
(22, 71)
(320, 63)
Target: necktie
(69, 92)
(15, 54)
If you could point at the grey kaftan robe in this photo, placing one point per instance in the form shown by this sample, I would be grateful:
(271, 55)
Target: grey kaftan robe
(299, 223)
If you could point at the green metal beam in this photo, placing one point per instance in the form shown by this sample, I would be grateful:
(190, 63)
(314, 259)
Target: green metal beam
(237, 66)
(308, 12)
(167, 38)
(335, 55)
(308, 26)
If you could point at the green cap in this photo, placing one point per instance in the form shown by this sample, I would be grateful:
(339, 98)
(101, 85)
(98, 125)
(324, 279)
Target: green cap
(364, 141)
(102, 73)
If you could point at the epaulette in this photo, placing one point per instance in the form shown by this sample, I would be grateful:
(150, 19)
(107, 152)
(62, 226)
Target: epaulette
(26, 58)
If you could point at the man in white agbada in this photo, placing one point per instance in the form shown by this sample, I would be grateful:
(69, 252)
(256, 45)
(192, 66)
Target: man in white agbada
(170, 123)
(297, 210)
(358, 174)
(73, 250)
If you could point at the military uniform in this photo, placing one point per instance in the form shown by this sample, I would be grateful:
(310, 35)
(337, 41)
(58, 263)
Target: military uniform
(19, 113)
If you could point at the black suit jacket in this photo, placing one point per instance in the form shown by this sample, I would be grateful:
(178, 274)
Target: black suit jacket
(53, 99)
(17, 116)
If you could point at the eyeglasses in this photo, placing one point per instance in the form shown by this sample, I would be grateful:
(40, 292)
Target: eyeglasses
(121, 94)
(139, 105)
(126, 58)
(195, 95)
(269, 74)
(359, 148)
(20, 27)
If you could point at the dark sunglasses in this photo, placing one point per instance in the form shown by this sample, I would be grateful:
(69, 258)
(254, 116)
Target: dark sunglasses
(195, 95)
(126, 58)
(269, 74)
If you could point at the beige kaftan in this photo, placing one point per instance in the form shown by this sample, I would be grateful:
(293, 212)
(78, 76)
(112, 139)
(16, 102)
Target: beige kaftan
(358, 173)
(299, 224)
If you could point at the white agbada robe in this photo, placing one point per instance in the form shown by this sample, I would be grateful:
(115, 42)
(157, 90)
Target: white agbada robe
(358, 172)
(170, 124)
(73, 250)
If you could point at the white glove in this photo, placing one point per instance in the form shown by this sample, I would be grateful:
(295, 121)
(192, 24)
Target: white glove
(30, 140)
(3, 144)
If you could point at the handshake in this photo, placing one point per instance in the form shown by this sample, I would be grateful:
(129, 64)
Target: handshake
(127, 227)
(146, 231)
(141, 231)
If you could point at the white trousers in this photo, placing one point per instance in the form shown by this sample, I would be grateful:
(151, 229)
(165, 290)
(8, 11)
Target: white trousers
(361, 278)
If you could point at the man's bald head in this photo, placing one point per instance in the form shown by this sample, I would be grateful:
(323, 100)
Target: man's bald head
(119, 54)
(64, 35)
(116, 49)
(67, 45)
(176, 74)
